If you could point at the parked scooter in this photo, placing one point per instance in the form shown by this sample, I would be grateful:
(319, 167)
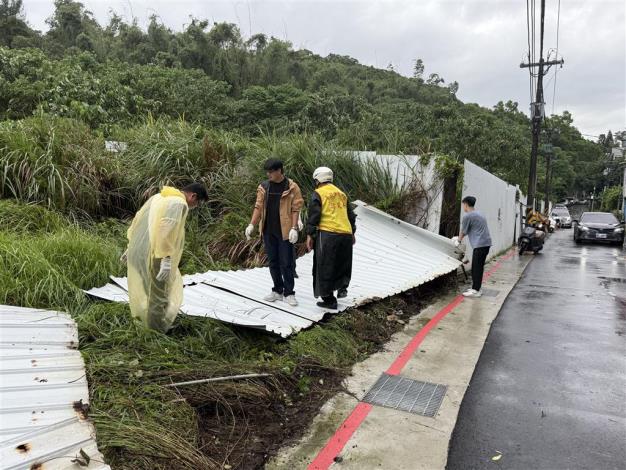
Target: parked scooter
(552, 225)
(531, 239)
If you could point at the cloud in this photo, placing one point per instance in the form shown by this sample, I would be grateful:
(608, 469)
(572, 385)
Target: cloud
(477, 43)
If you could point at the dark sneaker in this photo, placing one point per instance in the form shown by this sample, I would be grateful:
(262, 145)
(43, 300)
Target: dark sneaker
(342, 293)
(329, 305)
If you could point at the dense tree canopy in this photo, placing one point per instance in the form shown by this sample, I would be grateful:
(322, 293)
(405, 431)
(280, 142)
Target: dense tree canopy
(212, 75)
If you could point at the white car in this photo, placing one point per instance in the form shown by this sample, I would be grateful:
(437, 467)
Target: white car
(562, 217)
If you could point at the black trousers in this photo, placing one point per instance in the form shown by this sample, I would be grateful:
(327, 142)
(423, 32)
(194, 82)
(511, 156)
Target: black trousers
(479, 255)
(332, 264)
(280, 254)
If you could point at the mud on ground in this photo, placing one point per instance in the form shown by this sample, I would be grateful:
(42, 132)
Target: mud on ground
(243, 432)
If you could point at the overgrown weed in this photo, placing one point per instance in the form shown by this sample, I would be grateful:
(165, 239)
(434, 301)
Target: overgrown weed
(62, 238)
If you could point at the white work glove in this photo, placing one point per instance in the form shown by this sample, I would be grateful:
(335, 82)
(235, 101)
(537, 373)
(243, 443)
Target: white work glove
(456, 241)
(124, 257)
(249, 231)
(166, 269)
(293, 236)
(300, 224)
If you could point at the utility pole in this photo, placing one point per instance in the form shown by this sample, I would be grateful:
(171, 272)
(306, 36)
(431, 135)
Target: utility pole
(537, 111)
(548, 150)
(548, 178)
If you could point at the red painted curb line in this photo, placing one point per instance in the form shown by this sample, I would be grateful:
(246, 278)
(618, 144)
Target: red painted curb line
(396, 367)
(326, 457)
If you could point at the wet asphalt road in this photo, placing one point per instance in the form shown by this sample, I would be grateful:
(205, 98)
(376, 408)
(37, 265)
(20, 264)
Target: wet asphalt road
(549, 390)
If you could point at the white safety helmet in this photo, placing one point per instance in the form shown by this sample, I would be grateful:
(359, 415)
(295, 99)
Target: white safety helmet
(323, 174)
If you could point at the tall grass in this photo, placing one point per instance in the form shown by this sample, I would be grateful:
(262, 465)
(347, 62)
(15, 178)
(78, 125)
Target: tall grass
(45, 261)
(60, 163)
(68, 232)
(29, 279)
(63, 164)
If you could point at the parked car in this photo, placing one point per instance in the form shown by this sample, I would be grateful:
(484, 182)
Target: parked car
(599, 226)
(562, 216)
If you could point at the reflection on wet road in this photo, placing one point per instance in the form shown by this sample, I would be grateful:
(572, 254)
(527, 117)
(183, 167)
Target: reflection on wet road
(549, 391)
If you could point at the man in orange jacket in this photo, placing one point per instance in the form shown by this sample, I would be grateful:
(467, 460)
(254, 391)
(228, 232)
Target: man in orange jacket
(277, 211)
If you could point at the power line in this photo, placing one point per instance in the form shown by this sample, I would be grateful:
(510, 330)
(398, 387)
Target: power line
(556, 69)
(530, 73)
(537, 106)
(550, 81)
(532, 30)
(533, 38)
(543, 12)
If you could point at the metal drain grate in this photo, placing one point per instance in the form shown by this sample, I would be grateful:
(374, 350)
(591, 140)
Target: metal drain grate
(490, 292)
(400, 393)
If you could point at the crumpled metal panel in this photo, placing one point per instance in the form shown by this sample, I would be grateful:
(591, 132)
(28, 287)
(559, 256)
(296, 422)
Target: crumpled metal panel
(390, 257)
(43, 392)
(111, 292)
(207, 301)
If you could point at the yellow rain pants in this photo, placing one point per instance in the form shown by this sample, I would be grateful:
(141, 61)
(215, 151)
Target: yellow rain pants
(157, 231)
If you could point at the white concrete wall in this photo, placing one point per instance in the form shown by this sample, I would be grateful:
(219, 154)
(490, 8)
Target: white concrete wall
(495, 199)
(624, 189)
(407, 170)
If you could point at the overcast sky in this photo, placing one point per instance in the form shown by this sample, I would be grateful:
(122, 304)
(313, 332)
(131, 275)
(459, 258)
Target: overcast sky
(475, 42)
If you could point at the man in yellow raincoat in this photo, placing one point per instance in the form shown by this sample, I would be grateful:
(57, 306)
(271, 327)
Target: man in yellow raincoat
(155, 245)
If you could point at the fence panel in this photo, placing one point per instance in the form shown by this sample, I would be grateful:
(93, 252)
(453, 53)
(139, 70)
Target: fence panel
(496, 200)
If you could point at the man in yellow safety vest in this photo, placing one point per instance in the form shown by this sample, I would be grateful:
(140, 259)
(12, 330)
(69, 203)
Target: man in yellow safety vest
(330, 232)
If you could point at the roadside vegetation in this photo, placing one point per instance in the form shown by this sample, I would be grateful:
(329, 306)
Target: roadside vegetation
(114, 75)
(63, 219)
(206, 104)
(47, 258)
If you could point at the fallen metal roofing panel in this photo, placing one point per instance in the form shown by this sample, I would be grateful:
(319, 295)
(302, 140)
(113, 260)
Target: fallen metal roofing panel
(390, 257)
(110, 292)
(54, 447)
(207, 301)
(43, 392)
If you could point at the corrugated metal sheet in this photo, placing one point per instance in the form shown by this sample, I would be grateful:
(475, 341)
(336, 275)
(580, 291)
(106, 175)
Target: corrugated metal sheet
(43, 392)
(390, 257)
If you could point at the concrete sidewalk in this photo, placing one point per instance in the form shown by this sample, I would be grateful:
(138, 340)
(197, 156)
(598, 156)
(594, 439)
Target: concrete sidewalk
(393, 439)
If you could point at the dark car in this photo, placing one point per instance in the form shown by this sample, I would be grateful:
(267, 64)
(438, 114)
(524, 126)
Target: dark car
(599, 226)
(562, 217)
